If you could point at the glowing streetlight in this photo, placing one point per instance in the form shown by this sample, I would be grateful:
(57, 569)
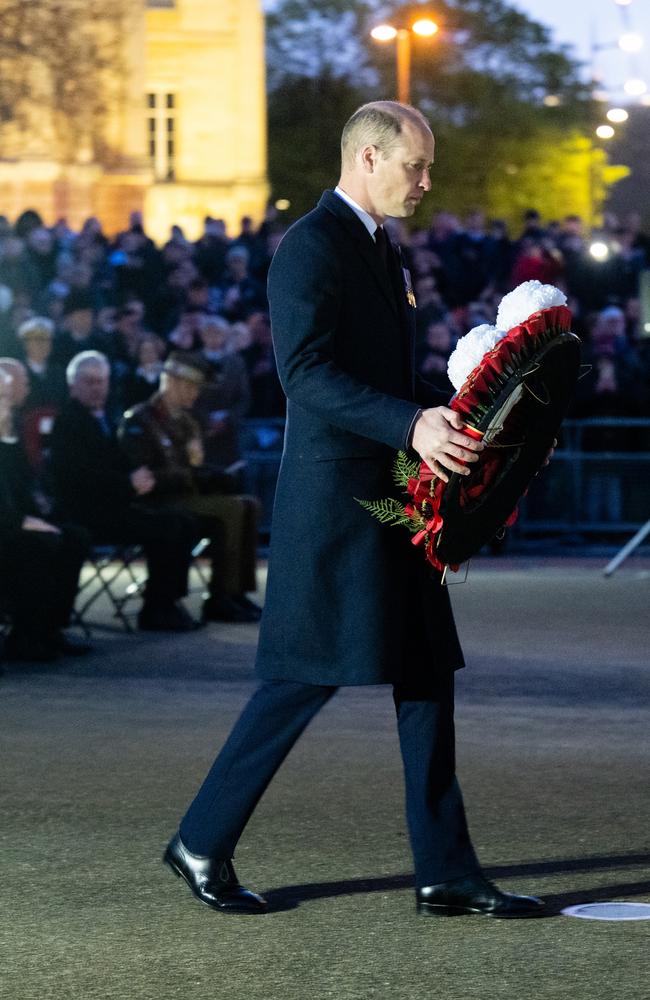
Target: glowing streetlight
(617, 115)
(605, 132)
(630, 42)
(383, 33)
(599, 250)
(425, 28)
(635, 87)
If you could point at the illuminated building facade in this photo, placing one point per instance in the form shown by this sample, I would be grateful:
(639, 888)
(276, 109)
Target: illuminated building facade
(185, 135)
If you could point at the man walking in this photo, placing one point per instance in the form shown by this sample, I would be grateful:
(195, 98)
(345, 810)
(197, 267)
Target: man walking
(348, 600)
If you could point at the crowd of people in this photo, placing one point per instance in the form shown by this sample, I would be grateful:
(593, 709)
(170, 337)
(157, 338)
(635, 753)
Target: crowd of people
(63, 291)
(127, 370)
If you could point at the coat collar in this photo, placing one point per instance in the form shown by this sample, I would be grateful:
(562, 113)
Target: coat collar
(364, 242)
(393, 291)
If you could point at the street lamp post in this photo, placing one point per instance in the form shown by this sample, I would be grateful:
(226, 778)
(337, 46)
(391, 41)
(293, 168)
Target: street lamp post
(403, 65)
(424, 27)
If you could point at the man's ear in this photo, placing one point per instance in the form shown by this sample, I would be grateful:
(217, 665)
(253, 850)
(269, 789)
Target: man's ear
(369, 157)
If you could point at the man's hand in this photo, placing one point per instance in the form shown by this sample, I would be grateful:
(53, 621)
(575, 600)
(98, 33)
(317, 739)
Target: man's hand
(438, 439)
(195, 453)
(38, 524)
(142, 480)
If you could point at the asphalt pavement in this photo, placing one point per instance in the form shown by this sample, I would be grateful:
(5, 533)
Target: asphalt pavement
(100, 756)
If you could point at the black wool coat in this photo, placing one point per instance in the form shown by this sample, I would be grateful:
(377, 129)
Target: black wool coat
(349, 600)
(89, 470)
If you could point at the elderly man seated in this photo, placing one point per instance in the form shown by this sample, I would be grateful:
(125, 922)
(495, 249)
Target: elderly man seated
(40, 559)
(162, 435)
(95, 486)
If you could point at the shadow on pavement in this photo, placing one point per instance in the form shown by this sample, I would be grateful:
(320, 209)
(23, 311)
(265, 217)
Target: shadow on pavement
(290, 897)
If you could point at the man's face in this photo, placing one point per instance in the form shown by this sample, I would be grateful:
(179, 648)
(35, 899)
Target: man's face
(400, 179)
(90, 387)
(18, 387)
(182, 392)
(38, 349)
(80, 322)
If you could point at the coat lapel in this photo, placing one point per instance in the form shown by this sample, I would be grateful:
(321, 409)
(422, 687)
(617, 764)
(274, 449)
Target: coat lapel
(363, 241)
(407, 314)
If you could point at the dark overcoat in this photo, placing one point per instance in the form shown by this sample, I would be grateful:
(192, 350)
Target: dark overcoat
(90, 472)
(349, 600)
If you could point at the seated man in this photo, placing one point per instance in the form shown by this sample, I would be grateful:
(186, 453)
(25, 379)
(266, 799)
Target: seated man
(225, 396)
(40, 560)
(94, 486)
(161, 435)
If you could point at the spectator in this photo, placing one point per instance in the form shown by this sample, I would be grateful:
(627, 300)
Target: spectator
(16, 270)
(211, 249)
(237, 295)
(186, 334)
(94, 485)
(137, 386)
(224, 399)
(434, 355)
(161, 435)
(47, 386)
(41, 560)
(612, 387)
(77, 328)
(537, 260)
(267, 397)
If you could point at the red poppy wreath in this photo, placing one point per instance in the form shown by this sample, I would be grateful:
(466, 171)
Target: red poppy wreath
(514, 382)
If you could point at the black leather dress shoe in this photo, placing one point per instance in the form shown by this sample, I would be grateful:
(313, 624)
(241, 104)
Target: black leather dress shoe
(68, 645)
(19, 647)
(229, 609)
(167, 618)
(474, 894)
(212, 880)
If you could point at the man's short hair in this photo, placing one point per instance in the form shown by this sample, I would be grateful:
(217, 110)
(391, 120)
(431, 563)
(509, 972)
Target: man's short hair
(379, 124)
(85, 359)
(36, 328)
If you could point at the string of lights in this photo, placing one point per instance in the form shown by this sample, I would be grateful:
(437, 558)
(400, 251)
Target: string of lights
(631, 43)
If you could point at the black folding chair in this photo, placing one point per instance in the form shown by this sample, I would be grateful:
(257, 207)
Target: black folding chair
(112, 575)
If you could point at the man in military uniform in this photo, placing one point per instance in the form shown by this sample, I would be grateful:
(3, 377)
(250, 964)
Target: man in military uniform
(161, 434)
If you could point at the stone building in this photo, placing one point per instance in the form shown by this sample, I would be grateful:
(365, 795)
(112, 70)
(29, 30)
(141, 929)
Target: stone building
(185, 135)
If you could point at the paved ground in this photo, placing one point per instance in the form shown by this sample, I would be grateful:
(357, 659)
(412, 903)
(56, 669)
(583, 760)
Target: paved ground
(100, 757)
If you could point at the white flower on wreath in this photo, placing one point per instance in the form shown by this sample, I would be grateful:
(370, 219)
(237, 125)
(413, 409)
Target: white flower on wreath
(470, 350)
(528, 298)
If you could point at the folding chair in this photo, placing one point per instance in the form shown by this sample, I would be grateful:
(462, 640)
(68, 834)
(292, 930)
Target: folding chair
(198, 565)
(109, 565)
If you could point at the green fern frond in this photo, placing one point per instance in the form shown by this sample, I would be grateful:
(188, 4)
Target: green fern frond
(389, 511)
(404, 469)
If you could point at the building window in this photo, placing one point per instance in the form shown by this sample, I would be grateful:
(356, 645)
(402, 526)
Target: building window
(161, 135)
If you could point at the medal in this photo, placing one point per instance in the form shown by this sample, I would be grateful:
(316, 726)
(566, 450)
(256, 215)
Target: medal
(408, 284)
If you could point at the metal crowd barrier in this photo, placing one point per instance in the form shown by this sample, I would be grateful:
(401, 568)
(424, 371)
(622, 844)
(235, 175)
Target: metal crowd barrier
(597, 486)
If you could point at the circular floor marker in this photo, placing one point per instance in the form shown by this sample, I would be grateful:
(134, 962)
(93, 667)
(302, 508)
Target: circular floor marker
(609, 911)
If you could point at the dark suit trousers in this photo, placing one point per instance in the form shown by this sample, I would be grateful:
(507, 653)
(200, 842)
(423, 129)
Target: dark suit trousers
(269, 726)
(167, 537)
(40, 576)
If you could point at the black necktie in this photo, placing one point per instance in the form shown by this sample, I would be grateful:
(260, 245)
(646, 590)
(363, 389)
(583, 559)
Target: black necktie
(381, 242)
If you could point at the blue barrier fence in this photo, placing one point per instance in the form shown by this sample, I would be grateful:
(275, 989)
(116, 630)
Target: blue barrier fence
(598, 484)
